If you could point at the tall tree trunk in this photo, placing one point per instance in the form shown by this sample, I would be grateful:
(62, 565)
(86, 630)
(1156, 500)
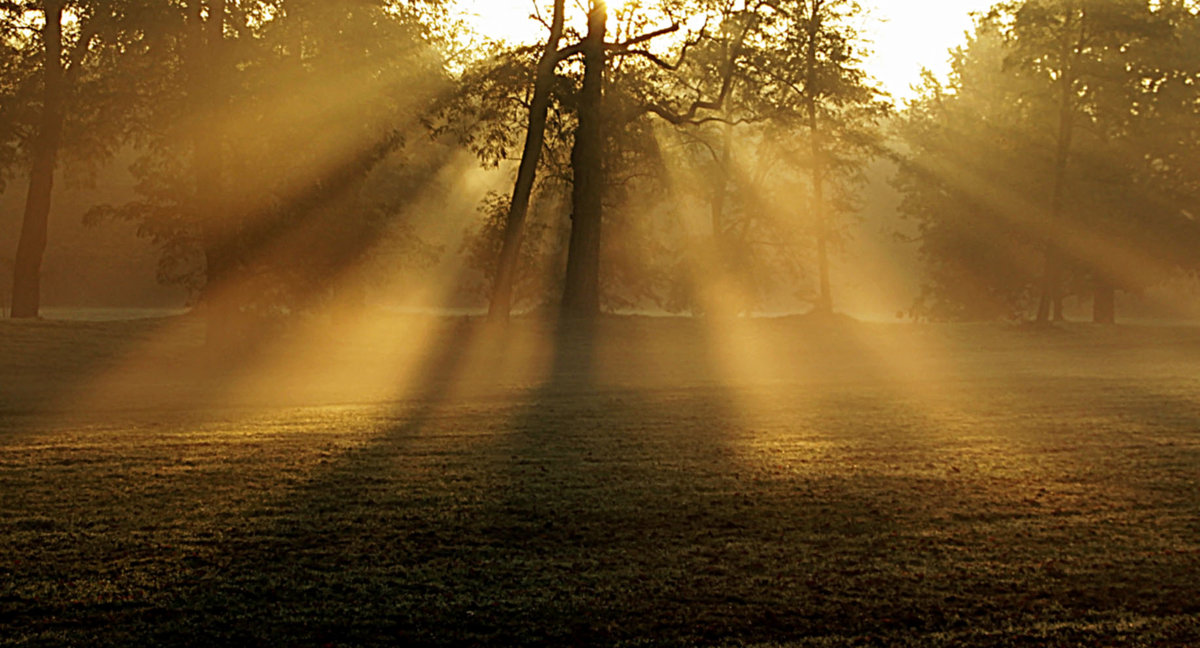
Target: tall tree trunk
(535, 137)
(1104, 303)
(718, 271)
(820, 211)
(1051, 300)
(27, 269)
(723, 158)
(581, 294)
(1050, 304)
(825, 296)
(721, 187)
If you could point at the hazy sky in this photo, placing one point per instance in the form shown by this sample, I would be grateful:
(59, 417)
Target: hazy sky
(907, 35)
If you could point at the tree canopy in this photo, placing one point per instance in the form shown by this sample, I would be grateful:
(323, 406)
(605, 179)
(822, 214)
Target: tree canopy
(685, 155)
(1049, 164)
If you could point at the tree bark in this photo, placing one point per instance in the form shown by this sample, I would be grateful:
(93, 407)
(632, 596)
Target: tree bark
(1104, 303)
(581, 294)
(31, 248)
(506, 267)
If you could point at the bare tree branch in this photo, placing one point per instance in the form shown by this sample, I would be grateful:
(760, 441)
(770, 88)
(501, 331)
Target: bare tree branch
(727, 77)
(690, 119)
(622, 47)
(643, 38)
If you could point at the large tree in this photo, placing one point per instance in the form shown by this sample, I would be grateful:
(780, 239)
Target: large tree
(584, 120)
(581, 289)
(1070, 49)
(702, 85)
(270, 121)
(594, 121)
(54, 49)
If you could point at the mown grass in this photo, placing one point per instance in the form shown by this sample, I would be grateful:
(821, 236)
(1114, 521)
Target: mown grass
(1004, 487)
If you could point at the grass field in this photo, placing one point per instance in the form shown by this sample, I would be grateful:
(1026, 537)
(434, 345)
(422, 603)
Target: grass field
(767, 483)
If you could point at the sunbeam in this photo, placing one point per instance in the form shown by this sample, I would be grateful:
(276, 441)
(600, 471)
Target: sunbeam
(720, 323)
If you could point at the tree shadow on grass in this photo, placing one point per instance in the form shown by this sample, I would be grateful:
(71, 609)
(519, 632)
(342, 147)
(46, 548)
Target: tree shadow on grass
(585, 512)
(48, 364)
(624, 516)
(300, 567)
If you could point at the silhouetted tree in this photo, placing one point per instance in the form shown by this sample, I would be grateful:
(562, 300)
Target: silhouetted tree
(42, 53)
(482, 117)
(268, 121)
(581, 288)
(1067, 44)
(535, 136)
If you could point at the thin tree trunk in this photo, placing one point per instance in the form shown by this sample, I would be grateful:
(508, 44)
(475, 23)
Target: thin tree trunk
(535, 137)
(825, 296)
(721, 189)
(1050, 304)
(716, 255)
(824, 303)
(1104, 303)
(31, 248)
(724, 162)
(581, 294)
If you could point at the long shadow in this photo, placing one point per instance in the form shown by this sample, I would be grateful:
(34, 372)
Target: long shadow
(623, 515)
(625, 518)
(47, 364)
(589, 512)
(300, 569)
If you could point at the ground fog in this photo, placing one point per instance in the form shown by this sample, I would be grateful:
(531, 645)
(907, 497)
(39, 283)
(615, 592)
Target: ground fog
(423, 481)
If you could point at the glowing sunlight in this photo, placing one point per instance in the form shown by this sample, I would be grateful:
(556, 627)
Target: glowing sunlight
(904, 37)
(419, 323)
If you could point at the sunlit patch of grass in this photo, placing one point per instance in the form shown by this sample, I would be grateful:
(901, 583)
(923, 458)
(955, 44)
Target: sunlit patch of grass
(1056, 506)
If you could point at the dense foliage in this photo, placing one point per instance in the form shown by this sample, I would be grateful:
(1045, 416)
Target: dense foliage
(1059, 159)
(284, 149)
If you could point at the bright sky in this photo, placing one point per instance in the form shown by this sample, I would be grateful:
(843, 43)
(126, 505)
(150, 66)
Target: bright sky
(907, 35)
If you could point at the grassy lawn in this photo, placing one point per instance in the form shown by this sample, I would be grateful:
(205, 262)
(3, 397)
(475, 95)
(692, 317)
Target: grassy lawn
(779, 483)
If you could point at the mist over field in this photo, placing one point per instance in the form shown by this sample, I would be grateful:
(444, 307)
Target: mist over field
(624, 323)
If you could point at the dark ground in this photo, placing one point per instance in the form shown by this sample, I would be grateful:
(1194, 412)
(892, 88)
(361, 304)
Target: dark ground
(781, 483)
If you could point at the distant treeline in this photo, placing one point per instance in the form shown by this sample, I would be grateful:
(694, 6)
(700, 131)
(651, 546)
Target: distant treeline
(691, 155)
